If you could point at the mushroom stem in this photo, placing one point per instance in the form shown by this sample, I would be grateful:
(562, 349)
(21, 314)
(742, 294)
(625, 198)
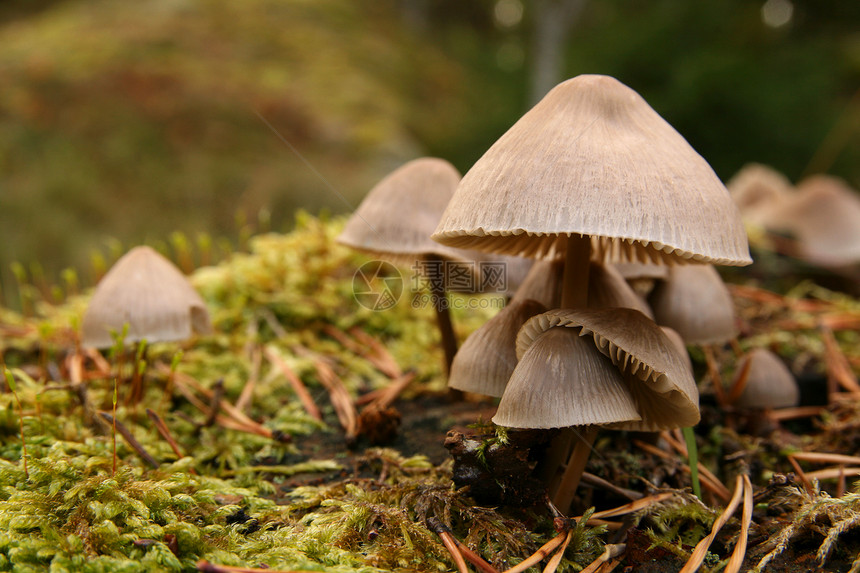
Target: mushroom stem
(574, 293)
(443, 317)
(566, 490)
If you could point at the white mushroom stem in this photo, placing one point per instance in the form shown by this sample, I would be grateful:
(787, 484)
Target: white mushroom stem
(574, 292)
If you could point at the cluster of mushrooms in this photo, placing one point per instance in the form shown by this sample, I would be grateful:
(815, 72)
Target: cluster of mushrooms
(820, 215)
(585, 199)
(590, 177)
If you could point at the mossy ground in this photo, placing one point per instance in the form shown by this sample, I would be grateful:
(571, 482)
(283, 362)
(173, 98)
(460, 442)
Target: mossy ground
(275, 487)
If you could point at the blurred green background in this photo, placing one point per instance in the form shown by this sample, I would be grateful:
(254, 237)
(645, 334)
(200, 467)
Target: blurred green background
(122, 122)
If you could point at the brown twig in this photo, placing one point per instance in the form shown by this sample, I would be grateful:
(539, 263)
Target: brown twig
(165, 432)
(739, 383)
(542, 553)
(610, 552)
(714, 375)
(247, 394)
(343, 404)
(737, 558)
(705, 473)
(552, 564)
(232, 418)
(130, 439)
(711, 484)
(384, 397)
(633, 506)
(298, 386)
(837, 365)
(450, 542)
(379, 356)
(215, 402)
(796, 412)
(596, 481)
(701, 549)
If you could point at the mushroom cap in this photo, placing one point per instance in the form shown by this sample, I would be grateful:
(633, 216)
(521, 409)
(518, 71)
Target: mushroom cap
(543, 283)
(593, 158)
(608, 289)
(759, 191)
(487, 359)
(150, 294)
(770, 384)
(694, 301)
(397, 217)
(562, 380)
(655, 372)
(824, 216)
(631, 271)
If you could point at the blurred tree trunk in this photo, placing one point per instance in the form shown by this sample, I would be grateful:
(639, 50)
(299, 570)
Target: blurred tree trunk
(553, 20)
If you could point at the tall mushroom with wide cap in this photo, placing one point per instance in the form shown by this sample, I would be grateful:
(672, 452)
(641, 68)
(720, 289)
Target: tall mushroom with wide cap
(592, 172)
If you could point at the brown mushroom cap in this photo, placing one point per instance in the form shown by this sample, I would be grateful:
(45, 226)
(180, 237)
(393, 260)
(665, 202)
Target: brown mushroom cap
(694, 301)
(562, 380)
(759, 192)
(824, 216)
(656, 373)
(769, 384)
(593, 158)
(608, 289)
(487, 359)
(146, 291)
(397, 217)
(542, 283)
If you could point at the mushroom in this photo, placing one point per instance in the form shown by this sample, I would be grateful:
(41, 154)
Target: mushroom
(641, 276)
(768, 382)
(542, 283)
(487, 359)
(150, 295)
(824, 216)
(592, 172)
(395, 220)
(694, 301)
(759, 191)
(588, 368)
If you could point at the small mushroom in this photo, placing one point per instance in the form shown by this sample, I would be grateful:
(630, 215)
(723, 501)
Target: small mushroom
(769, 383)
(487, 359)
(642, 276)
(657, 374)
(759, 192)
(542, 283)
(395, 221)
(608, 289)
(694, 301)
(824, 216)
(613, 368)
(150, 295)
